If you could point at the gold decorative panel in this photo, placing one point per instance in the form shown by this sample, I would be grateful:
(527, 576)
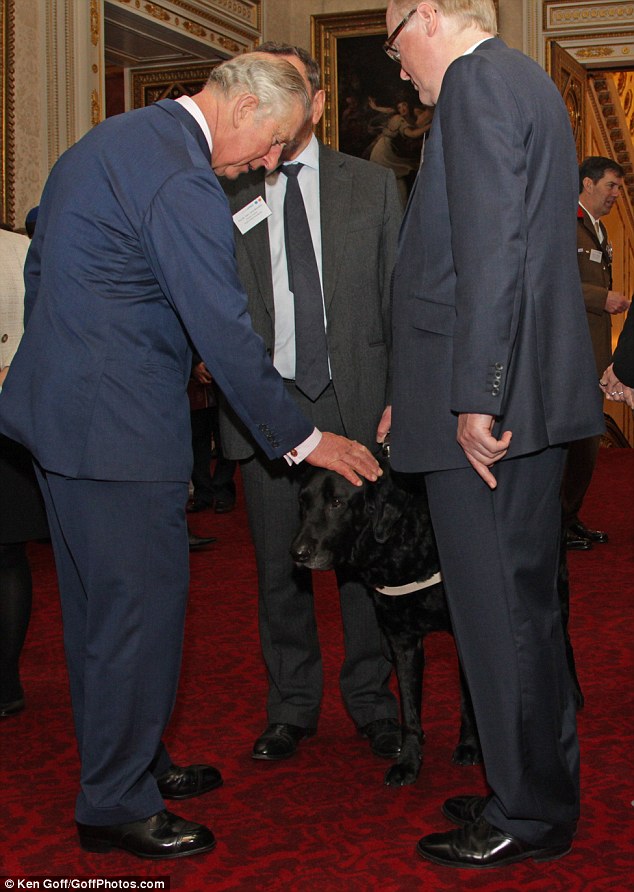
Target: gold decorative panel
(231, 25)
(152, 84)
(7, 110)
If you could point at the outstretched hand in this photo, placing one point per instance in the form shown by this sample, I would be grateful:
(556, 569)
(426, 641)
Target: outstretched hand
(614, 390)
(346, 457)
(479, 444)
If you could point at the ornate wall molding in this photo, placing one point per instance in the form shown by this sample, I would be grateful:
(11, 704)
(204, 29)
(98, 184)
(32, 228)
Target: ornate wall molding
(230, 26)
(594, 33)
(74, 70)
(7, 112)
(599, 36)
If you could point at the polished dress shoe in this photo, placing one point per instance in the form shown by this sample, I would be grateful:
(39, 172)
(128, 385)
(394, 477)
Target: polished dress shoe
(184, 783)
(463, 810)
(581, 530)
(279, 741)
(162, 835)
(13, 707)
(384, 736)
(224, 506)
(577, 543)
(197, 542)
(480, 845)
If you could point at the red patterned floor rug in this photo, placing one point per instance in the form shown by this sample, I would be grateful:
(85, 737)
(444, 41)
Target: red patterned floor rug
(323, 821)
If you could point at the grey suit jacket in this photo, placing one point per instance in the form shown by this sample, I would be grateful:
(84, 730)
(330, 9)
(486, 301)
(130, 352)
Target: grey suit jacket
(360, 217)
(488, 311)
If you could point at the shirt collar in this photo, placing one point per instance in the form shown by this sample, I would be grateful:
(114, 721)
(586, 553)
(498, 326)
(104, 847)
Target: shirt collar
(475, 46)
(593, 220)
(189, 105)
(310, 155)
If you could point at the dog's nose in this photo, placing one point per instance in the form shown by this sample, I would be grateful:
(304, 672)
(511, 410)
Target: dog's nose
(301, 552)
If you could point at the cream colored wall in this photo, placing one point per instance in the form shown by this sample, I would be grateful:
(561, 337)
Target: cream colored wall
(288, 21)
(30, 140)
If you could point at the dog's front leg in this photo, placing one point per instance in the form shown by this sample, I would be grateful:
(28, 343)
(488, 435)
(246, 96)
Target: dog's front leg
(409, 659)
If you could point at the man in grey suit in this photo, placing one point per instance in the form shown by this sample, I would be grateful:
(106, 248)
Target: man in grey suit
(492, 375)
(353, 213)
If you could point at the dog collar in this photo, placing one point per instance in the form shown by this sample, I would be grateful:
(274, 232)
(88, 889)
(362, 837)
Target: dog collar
(396, 590)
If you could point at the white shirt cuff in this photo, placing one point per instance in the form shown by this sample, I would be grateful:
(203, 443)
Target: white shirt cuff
(299, 453)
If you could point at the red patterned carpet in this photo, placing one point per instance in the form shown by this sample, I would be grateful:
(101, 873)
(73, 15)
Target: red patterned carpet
(323, 821)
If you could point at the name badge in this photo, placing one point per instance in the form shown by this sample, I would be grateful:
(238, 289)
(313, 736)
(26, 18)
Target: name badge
(252, 214)
(596, 256)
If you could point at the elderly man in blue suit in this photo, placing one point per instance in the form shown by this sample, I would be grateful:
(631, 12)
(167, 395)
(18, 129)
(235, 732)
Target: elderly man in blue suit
(493, 375)
(132, 262)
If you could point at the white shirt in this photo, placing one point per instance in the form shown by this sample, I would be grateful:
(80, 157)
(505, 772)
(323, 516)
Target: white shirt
(188, 103)
(13, 248)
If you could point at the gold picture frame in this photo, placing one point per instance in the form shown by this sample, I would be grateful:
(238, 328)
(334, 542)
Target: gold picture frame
(330, 34)
(7, 111)
(350, 39)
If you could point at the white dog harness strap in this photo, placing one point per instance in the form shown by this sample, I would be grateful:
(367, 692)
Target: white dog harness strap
(396, 590)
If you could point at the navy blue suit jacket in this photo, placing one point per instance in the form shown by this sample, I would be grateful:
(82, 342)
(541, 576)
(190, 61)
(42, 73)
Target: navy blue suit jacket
(133, 254)
(488, 313)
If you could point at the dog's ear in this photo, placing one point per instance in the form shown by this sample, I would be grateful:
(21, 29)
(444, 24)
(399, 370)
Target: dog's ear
(387, 509)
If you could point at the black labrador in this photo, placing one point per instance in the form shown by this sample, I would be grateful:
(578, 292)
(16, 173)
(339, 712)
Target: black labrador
(382, 534)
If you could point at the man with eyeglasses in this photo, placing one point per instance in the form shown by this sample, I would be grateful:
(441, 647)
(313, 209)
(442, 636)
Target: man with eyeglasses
(492, 375)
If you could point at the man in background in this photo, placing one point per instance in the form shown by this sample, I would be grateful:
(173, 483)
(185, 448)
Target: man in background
(600, 184)
(347, 237)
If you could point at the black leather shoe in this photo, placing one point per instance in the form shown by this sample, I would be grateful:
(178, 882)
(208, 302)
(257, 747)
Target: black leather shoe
(11, 708)
(384, 736)
(162, 835)
(196, 542)
(581, 530)
(577, 543)
(184, 783)
(224, 506)
(463, 810)
(279, 741)
(481, 845)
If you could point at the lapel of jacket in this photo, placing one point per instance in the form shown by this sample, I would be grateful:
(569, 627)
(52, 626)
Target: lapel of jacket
(256, 240)
(335, 199)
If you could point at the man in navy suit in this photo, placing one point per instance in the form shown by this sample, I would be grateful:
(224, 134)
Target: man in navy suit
(132, 262)
(492, 375)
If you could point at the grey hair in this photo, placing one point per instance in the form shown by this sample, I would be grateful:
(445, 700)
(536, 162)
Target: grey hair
(480, 13)
(277, 85)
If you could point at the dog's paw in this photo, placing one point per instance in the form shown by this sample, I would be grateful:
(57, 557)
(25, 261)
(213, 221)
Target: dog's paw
(402, 775)
(466, 754)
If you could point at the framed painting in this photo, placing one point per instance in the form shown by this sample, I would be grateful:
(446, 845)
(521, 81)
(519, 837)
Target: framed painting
(360, 81)
(363, 87)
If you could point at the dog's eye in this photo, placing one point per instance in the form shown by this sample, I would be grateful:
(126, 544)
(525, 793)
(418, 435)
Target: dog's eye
(336, 503)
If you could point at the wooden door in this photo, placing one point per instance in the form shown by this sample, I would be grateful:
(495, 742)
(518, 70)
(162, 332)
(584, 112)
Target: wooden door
(571, 79)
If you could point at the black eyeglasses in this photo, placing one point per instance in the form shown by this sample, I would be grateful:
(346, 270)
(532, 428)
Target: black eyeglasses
(388, 46)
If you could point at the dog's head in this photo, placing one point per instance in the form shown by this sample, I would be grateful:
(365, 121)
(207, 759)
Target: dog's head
(340, 521)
